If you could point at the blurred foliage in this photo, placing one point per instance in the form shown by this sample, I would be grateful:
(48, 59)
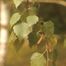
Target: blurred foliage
(65, 41)
(18, 50)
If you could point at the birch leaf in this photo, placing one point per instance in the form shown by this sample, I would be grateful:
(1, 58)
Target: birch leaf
(48, 28)
(21, 30)
(37, 59)
(14, 19)
(17, 2)
(32, 19)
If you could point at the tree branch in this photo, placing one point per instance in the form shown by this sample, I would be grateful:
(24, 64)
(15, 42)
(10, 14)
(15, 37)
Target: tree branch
(53, 1)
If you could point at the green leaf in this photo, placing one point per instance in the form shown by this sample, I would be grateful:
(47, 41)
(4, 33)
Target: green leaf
(32, 10)
(37, 59)
(32, 19)
(48, 28)
(17, 2)
(12, 38)
(53, 39)
(14, 19)
(21, 30)
(33, 38)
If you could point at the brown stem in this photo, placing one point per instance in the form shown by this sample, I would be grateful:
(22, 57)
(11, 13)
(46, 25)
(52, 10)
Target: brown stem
(40, 39)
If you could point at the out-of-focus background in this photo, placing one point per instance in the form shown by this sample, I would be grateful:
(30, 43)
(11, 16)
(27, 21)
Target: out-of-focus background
(54, 10)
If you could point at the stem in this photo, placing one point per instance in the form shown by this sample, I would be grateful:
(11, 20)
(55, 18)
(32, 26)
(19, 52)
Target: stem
(47, 57)
(43, 53)
(40, 39)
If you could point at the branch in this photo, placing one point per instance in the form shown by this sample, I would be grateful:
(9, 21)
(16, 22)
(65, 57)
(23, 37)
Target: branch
(57, 2)
(40, 39)
(51, 1)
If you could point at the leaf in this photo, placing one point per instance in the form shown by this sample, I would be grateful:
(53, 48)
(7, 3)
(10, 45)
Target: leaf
(32, 19)
(37, 59)
(12, 38)
(21, 30)
(14, 19)
(17, 2)
(32, 10)
(48, 28)
(33, 38)
(53, 39)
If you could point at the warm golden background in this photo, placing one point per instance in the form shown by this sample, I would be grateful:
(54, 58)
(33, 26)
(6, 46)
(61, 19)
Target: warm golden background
(22, 58)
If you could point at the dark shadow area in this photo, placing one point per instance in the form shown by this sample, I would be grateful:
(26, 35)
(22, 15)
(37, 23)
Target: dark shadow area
(54, 12)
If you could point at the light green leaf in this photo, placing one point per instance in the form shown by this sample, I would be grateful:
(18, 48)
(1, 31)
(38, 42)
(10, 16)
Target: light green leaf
(37, 59)
(21, 30)
(15, 17)
(32, 19)
(17, 2)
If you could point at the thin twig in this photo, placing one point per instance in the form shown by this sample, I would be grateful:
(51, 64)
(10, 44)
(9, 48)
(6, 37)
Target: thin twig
(47, 58)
